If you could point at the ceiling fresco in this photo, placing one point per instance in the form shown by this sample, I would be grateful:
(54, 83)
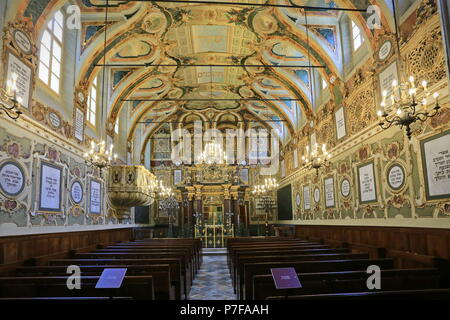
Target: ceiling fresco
(151, 46)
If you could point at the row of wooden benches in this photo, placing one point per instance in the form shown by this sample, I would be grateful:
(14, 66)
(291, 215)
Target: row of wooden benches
(323, 271)
(161, 269)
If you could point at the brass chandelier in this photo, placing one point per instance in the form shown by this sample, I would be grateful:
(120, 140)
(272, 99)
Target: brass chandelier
(316, 158)
(99, 156)
(409, 104)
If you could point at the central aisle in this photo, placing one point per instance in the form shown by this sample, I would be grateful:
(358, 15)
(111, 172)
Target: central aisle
(213, 281)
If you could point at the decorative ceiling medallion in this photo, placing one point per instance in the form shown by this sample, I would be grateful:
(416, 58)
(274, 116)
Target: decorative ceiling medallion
(154, 22)
(246, 92)
(265, 23)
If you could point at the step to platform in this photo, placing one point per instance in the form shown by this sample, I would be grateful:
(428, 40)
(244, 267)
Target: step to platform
(214, 251)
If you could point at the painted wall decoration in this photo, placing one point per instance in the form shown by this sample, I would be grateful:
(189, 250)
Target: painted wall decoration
(436, 163)
(50, 188)
(95, 198)
(12, 178)
(367, 186)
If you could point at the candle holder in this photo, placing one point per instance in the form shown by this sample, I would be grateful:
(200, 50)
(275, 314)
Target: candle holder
(410, 104)
(9, 102)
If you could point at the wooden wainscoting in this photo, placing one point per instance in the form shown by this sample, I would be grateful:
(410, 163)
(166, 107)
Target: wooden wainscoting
(410, 247)
(16, 250)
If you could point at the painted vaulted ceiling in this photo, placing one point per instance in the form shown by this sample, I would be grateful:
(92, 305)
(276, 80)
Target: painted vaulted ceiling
(143, 34)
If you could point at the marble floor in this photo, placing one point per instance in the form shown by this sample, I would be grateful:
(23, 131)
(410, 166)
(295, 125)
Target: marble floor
(213, 281)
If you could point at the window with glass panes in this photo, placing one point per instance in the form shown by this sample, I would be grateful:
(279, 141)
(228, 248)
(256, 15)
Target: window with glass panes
(92, 102)
(358, 39)
(50, 52)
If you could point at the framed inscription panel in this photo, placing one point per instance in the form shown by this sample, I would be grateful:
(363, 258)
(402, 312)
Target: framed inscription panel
(395, 176)
(345, 187)
(367, 184)
(24, 76)
(78, 128)
(387, 76)
(12, 178)
(316, 195)
(340, 123)
(306, 198)
(76, 192)
(95, 197)
(295, 156)
(50, 188)
(328, 184)
(436, 165)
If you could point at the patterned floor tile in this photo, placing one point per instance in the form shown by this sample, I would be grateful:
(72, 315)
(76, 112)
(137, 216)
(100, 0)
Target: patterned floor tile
(213, 282)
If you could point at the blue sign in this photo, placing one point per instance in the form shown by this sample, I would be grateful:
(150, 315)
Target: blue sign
(111, 278)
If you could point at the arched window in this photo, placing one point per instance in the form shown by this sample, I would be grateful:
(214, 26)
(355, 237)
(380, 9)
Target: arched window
(357, 37)
(50, 52)
(92, 103)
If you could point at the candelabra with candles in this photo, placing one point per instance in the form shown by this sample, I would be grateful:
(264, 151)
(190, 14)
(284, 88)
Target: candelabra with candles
(99, 156)
(9, 102)
(266, 201)
(410, 104)
(316, 159)
(169, 204)
(212, 154)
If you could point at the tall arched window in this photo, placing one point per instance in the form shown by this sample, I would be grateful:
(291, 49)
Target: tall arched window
(50, 52)
(92, 103)
(357, 37)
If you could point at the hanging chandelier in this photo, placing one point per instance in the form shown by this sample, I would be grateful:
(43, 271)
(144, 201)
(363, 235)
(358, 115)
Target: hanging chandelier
(409, 104)
(9, 102)
(270, 184)
(316, 158)
(212, 154)
(98, 156)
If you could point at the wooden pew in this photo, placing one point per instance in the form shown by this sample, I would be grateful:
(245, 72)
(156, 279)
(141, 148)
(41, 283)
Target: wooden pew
(427, 294)
(190, 259)
(283, 251)
(138, 287)
(347, 281)
(185, 267)
(252, 269)
(160, 273)
(275, 246)
(176, 274)
(297, 258)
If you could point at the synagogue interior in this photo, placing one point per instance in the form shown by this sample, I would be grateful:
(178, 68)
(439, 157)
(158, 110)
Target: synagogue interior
(224, 150)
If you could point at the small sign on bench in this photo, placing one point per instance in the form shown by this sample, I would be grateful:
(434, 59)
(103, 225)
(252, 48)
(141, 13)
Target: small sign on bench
(285, 278)
(111, 278)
